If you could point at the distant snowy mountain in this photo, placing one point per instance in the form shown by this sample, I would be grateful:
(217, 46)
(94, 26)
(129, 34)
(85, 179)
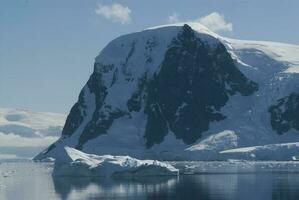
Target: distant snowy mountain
(24, 128)
(183, 92)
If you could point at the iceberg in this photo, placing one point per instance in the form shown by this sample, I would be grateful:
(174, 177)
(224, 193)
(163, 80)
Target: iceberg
(73, 162)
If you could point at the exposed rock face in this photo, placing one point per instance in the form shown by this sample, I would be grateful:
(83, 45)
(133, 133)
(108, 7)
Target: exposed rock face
(285, 114)
(194, 82)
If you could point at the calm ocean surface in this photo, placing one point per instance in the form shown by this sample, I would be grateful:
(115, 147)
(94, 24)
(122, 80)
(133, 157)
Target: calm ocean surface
(215, 180)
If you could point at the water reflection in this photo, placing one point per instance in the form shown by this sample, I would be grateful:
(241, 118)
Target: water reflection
(203, 187)
(286, 186)
(108, 188)
(186, 187)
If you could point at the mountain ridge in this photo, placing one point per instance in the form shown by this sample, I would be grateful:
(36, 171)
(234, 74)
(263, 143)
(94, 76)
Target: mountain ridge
(174, 86)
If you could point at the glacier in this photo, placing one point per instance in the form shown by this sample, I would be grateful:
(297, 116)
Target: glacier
(278, 152)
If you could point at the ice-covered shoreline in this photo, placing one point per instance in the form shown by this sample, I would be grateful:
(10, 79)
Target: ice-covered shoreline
(217, 147)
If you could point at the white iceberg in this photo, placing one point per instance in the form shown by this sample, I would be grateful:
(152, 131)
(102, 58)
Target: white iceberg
(76, 163)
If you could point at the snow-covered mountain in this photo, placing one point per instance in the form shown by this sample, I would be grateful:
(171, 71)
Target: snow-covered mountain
(19, 127)
(181, 91)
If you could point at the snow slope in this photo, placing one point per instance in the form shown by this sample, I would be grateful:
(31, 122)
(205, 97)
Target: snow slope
(273, 66)
(285, 53)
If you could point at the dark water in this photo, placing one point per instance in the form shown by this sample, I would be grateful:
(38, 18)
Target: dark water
(27, 180)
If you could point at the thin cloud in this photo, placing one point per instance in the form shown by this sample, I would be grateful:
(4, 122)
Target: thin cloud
(114, 12)
(214, 21)
(174, 18)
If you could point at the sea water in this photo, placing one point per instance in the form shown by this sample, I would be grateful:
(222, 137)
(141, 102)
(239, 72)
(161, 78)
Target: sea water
(24, 179)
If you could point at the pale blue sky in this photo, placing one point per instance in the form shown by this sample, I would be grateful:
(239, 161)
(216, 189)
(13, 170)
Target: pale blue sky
(47, 47)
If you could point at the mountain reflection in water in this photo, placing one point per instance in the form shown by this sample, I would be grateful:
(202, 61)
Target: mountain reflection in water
(206, 187)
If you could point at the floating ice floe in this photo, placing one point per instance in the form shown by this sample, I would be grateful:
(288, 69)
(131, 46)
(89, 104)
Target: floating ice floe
(76, 163)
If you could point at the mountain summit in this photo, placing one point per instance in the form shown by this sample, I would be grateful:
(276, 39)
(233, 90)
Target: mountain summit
(183, 92)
